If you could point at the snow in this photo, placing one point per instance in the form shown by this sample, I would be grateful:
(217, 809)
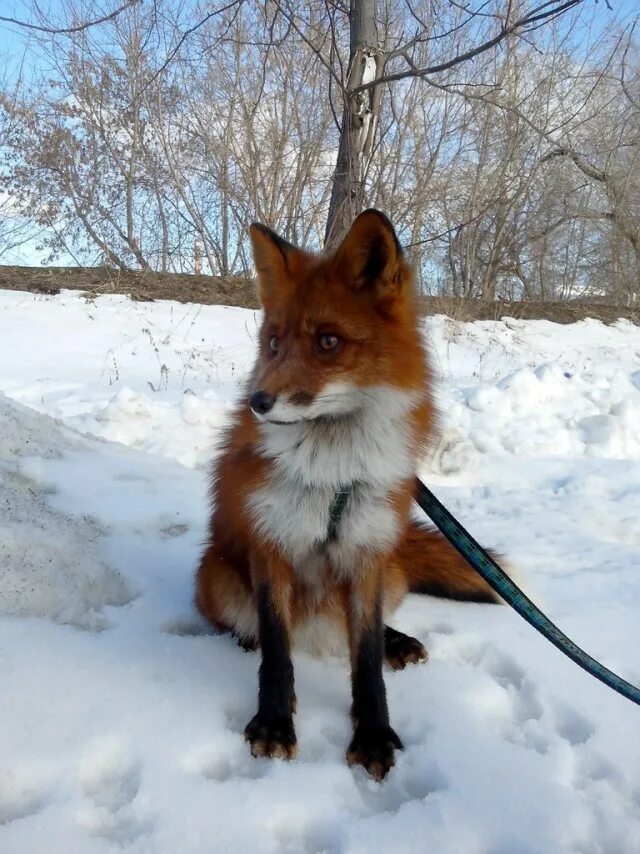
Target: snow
(49, 563)
(122, 715)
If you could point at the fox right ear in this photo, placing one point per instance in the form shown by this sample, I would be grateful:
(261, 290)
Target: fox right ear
(372, 259)
(273, 258)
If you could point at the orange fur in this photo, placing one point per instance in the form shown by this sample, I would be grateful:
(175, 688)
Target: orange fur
(338, 401)
(302, 292)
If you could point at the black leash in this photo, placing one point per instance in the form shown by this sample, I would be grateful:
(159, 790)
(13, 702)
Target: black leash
(497, 578)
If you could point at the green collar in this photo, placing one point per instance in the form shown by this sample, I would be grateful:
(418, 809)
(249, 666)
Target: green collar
(335, 512)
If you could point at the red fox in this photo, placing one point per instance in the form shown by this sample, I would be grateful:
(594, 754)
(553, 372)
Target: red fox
(312, 491)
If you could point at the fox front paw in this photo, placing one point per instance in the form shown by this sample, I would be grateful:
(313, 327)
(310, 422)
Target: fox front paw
(374, 746)
(274, 737)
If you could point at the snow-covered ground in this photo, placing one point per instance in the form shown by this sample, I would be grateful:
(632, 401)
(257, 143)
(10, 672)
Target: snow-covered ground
(121, 717)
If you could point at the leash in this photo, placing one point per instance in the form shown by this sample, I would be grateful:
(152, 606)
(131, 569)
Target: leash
(498, 579)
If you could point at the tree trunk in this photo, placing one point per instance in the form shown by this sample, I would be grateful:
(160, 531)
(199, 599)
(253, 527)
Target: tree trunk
(359, 121)
(634, 294)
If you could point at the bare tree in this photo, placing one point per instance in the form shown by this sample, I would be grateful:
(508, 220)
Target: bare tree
(80, 146)
(606, 154)
(371, 64)
(16, 229)
(509, 173)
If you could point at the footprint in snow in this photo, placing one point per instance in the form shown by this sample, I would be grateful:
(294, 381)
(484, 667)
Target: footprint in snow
(23, 792)
(110, 780)
(188, 626)
(513, 703)
(571, 725)
(222, 762)
(131, 477)
(173, 529)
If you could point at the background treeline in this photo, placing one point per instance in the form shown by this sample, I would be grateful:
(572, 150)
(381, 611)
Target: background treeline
(152, 140)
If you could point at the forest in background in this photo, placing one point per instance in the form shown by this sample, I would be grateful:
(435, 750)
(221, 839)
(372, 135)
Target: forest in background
(150, 140)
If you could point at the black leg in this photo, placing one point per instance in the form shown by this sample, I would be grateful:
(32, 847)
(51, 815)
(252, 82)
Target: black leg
(271, 731)
(374, 741)
(401, 649)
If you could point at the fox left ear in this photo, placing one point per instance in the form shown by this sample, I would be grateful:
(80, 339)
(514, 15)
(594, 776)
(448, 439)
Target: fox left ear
(371, 257)
(274, 258)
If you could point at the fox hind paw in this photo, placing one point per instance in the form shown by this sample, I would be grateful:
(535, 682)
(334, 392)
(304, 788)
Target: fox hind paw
(400, 650)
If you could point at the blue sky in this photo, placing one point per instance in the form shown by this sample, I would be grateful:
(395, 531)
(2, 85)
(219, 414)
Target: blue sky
(11, 39)
(14, 45)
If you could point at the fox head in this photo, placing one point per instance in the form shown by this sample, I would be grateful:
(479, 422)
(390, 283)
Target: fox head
(335, 326)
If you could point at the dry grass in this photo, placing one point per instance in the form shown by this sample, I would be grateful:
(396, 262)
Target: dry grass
(558, 312)
(216, 290)
(143, 286)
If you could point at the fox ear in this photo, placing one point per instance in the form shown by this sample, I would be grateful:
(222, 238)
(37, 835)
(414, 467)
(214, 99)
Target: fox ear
(273, 257)
(371, 257)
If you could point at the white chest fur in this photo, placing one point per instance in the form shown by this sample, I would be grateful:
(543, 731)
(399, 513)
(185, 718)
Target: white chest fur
(367, 454)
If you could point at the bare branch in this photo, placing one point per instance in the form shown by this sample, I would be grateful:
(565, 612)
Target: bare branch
(623, 68)
(185, 35)
(77, 28)
(525, 24)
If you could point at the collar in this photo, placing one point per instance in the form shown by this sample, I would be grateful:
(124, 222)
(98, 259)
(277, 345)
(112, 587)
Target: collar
(336, 509)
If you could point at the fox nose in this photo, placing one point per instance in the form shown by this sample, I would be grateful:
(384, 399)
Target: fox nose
(261, 402)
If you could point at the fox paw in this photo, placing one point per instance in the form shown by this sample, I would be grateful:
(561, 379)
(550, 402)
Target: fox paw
(274, 737)
(247, 644)
(402, 650)
(373, 747)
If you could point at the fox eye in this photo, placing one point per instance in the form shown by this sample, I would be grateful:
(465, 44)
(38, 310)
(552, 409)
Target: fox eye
(274, 344)
(326, 341)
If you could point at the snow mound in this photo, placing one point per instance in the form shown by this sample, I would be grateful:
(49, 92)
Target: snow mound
(50, 564)
(543, 412)
(181, 429)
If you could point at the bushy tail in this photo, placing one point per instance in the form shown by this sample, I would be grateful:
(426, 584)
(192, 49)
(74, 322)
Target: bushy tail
(432, 565)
